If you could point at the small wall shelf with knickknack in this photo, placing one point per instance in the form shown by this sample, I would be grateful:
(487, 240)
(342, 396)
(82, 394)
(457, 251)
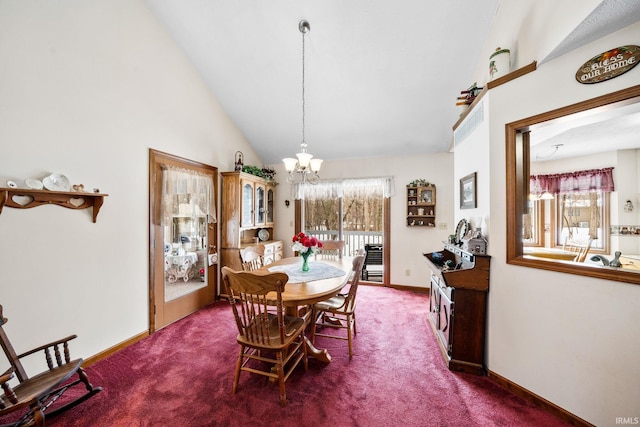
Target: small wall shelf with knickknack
(26, 198)
(421, 206)
(625, 230)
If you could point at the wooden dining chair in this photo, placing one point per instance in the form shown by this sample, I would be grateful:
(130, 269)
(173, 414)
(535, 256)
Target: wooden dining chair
(252, 257)
(340, 311)
(264, 336)
(35, 394)
(331, 249)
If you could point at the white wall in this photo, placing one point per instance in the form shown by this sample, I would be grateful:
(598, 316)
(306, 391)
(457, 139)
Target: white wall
(626, 180)
(531, 29)
(87, 88)
(570, 339)
(407, 243)
(472, 155)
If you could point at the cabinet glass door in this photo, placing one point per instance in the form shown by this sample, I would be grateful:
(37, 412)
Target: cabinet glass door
(260, 211)
(246, 219)
(269, 212)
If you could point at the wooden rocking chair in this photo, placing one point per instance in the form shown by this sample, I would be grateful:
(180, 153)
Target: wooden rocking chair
(35, 394)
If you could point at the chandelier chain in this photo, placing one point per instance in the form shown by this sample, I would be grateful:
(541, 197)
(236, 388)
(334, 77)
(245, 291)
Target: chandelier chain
(305, 168)
(303, 98)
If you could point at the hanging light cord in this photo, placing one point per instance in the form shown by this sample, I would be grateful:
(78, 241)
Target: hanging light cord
(304, 30)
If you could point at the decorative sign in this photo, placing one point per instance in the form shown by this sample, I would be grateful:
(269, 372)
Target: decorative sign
(609, 64)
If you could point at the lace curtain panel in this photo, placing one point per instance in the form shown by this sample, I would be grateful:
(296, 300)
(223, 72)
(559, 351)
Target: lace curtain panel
(187, 193)
(574, 182)
(356, 187)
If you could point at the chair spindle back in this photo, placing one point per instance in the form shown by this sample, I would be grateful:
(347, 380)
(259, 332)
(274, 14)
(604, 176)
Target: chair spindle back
(253, 297)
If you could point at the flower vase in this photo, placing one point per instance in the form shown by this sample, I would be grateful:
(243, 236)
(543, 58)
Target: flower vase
(305, 264)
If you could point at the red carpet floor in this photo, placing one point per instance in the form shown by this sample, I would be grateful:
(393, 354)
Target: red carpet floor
(182, 376)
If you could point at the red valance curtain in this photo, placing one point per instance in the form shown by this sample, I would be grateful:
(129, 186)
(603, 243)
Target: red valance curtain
(574, 182)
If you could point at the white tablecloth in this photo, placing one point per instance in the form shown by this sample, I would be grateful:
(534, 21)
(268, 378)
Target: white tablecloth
(318, 270)
(192, 257)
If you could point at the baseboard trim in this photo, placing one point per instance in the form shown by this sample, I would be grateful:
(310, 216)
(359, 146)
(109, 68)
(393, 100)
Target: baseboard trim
(540, 402)
(419, 289)
(111, 350)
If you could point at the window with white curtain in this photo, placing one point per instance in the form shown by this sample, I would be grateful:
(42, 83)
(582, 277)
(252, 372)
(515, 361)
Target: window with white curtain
(188, 205)
(347, 209)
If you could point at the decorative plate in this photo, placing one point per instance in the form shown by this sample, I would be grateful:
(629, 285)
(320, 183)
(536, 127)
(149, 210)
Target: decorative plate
(34, 184)
(263, 234)
(11, 184)
(461, 230)
(56, 182)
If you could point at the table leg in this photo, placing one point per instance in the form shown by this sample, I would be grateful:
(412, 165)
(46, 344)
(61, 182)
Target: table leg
(320, 354)
(312, 351)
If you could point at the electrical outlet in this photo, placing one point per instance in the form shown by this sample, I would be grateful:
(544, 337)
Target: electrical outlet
(407, 272)
(442, 226)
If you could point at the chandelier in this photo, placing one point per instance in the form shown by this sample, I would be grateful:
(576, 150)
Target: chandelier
(304, 168)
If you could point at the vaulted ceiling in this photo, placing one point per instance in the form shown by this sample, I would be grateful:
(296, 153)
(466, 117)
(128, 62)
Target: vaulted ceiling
(381, 77)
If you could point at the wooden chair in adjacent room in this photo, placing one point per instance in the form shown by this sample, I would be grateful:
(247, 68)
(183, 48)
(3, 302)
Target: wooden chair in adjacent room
(581, 249)
(264, 336)
(339, 312)
(252, 257)
(331, 249)
(33, 395)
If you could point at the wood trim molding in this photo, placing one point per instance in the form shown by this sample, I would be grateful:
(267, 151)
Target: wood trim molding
(516, 151)
(513, 75)
(386, 238)
(417, 289)
(112, 350)
(495, 83)
(540, 402)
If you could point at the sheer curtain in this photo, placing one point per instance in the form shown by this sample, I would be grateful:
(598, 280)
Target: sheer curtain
(353, 187)
(188, 193)
(583, 186)
(574, 182)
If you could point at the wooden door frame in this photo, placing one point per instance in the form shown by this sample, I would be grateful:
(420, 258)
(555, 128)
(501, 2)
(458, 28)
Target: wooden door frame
(156, 160)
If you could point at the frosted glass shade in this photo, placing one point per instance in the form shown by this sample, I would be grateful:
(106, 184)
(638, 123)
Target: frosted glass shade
(290, 164)
(546, 196)
(315, 165)
(304, 159)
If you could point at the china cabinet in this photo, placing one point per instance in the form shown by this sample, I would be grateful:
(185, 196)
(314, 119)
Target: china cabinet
(247, 217)
(421, 206)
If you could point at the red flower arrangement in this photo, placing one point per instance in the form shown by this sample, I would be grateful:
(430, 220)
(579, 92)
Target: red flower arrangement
(304, 244)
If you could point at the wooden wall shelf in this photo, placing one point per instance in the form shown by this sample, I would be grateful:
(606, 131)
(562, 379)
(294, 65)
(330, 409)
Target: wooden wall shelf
(421, 206)
(22, 198)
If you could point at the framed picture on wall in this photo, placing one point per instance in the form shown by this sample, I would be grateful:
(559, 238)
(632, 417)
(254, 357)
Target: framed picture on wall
(468, 192)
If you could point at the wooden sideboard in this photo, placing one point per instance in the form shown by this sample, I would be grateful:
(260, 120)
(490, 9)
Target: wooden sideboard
(458, 305)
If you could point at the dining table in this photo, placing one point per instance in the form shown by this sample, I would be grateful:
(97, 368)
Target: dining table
(325, 279)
